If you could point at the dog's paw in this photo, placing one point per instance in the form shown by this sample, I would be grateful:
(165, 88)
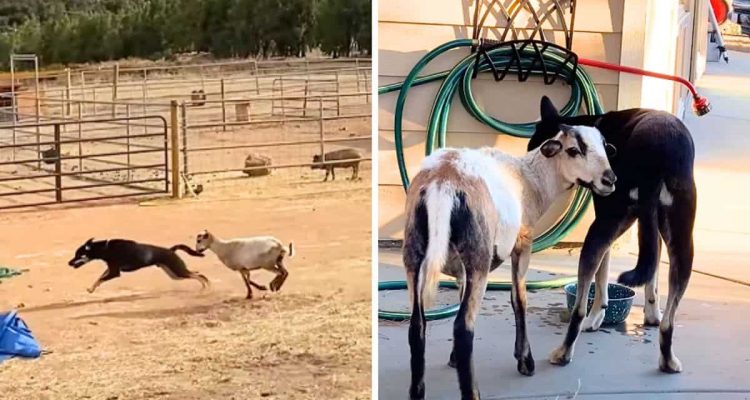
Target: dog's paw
(651, 315)
(560, 356)
(90, 290)
(593, 321)
(671, 366)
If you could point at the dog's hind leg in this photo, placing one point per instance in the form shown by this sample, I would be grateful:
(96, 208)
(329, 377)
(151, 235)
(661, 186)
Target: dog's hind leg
(651, 310)
(110, 273)
(177, 270)
(603, 231)
(676, 227)
(601, 299)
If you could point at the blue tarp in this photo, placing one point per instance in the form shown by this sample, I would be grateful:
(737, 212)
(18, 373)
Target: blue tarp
(16, 339)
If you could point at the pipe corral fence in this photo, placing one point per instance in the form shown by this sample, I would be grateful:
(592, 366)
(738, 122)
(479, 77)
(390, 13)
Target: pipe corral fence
(116, 132)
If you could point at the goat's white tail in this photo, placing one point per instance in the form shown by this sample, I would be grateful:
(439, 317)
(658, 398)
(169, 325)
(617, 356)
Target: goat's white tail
(439, 201)
(291, 249)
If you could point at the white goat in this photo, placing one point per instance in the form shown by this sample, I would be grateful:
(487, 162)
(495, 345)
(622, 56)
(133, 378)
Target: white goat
(468, 211)
(248, 254)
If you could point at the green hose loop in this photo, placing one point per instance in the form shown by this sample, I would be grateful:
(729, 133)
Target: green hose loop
(459, 79)
(451, 310)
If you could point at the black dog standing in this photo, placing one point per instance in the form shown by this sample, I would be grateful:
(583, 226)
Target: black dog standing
(654, 167)
(127, 256)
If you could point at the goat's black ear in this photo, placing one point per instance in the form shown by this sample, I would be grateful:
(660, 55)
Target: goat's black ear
(610, 149)
(547, 110)
(551, 147)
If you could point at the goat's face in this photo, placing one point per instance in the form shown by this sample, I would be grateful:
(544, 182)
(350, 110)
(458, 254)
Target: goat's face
(203, 241)
(581, 154)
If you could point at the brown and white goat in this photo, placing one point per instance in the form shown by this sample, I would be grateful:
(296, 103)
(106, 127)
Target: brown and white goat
(469, 210)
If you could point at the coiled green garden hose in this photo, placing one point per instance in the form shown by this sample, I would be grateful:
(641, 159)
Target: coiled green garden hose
(459, 78)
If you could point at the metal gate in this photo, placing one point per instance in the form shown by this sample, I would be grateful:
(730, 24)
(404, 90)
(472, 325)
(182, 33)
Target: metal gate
(81, 160)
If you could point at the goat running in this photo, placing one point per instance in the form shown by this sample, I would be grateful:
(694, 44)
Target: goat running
(248, 254)
(468, 211)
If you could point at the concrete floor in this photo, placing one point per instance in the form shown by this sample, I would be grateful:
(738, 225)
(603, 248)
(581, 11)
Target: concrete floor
(619, 362)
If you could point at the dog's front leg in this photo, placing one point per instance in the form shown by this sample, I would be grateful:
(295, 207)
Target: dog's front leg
(110, 273)
(601, 299)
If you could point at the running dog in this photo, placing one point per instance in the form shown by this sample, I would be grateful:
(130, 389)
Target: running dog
(656, 186)
(127, 256)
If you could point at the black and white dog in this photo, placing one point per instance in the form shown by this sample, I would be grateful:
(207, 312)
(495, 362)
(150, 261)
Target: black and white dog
(127, 256)
(655, 185)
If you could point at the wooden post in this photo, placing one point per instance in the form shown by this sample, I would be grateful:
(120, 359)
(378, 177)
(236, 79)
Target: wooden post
(184, 139)
(58, 166)
(257, 80)
(38, 109)
(223, 107)
(338, 94)
(115, 82)
(83, 87)
(80, 131)
(320, 129)
(127, 134)
(175, 146)
(304, 101)
(67, 92)
(283, 111)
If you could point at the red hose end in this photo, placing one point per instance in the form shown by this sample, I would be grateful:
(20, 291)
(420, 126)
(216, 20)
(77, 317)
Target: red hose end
(701, 106)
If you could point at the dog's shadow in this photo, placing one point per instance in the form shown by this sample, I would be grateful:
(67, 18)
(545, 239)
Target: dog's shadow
(161, 313)
(74, 304)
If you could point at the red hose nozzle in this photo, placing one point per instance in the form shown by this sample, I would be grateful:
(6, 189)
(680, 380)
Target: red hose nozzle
(701, 106)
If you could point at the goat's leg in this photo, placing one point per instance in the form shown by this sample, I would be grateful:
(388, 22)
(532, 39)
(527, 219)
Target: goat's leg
(677, 229)
(520, 260)
(246, 278)
(461, 283)
(110, 273)
(281, 275)
(463, 330)
(601, 299)
(599, 238)
(417, 331)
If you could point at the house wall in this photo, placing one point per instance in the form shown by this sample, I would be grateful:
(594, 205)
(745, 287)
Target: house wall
(409, 29)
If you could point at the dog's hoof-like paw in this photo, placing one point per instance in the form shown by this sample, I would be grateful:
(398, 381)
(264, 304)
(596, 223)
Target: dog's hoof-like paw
(417, 393)
(671, 366)
(559, 356)
(651, 321)
(526, 365)
(651, 315)
(452, 360)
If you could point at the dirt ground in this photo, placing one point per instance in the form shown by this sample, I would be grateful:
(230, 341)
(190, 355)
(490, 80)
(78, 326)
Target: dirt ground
(145, 336)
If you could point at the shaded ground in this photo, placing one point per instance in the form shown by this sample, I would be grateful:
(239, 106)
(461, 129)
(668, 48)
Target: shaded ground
(144, 336)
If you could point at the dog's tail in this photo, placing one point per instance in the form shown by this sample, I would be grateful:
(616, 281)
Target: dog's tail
(186, 249)
(291, 249)
(648, 196)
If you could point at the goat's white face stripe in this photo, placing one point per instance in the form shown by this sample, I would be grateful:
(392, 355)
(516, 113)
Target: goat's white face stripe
(590, 167)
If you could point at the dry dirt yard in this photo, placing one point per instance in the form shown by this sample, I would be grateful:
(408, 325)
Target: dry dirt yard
(145, 336)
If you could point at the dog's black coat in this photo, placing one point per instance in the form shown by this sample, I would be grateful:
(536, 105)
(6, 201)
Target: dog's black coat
(122, 255)
(655, 155)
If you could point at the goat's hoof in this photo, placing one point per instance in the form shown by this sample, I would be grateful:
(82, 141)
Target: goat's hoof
(526, 365)
(671, 366)
(651, 315)
(452, 360)
(559, 356)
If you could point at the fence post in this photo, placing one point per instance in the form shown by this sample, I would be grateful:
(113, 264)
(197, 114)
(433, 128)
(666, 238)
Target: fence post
(223, 108)
(283, 111)
(115, 82)
(127, 134)
(257, 80)
(184, 139)
(356, 69)
(83, 86)
(338, 98)
(175, 143)
(304, 101)
(67, 92)
(80, 131)
(58, 166)
(320, 129)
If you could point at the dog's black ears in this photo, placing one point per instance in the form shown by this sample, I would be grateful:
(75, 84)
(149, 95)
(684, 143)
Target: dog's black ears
(551, 148)
(90, 241)
(547, 110)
